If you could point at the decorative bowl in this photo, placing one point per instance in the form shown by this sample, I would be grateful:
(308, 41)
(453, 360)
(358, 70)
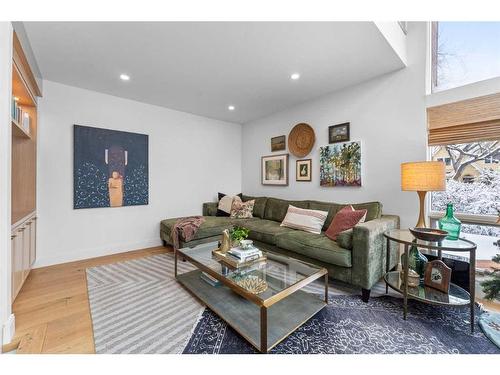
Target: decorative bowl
(429, 234)
(413, 278)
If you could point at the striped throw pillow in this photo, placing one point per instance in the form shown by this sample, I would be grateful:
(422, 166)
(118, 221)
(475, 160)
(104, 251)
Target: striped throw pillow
(303, 219)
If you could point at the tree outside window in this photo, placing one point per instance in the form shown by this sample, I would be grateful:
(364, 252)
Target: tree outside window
(464, 53)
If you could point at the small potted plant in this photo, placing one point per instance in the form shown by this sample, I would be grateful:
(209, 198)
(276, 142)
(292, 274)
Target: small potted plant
(237, 234)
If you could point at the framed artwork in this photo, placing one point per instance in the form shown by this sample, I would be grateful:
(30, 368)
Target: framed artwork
(110, 168)
(437, 275)
(275, 170)
(278, 143)
(303, 170)
(338, 133)
(340, 164)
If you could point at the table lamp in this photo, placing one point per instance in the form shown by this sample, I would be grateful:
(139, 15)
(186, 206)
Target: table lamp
(423, 176)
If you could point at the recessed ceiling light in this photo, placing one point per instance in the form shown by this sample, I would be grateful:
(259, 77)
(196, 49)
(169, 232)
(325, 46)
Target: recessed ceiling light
(124, 77)
(16, 98)
(231, 108)
(295, 76)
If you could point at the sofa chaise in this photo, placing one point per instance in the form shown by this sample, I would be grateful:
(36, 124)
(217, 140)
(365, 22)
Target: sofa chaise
(357, 257)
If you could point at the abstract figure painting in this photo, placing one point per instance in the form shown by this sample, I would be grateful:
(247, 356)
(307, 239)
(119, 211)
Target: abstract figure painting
(110, 168)
(340, 164)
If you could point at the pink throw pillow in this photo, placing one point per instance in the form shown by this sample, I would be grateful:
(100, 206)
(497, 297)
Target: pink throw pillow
(345, 219)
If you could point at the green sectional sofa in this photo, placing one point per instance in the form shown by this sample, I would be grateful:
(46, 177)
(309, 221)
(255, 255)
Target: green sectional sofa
(357, 257)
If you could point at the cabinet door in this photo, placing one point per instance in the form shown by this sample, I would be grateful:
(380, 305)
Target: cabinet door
(32, 241)
(17, 262)
(26, 251)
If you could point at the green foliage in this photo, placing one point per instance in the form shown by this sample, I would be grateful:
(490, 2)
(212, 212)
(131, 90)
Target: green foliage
(238, 233)
(491, 287)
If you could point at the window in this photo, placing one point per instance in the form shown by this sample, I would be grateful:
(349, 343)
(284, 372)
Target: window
(464, 52)
(472, 184)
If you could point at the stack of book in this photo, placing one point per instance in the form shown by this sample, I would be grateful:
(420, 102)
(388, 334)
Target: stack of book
(209, 279)
(21, 117)
(245, 255)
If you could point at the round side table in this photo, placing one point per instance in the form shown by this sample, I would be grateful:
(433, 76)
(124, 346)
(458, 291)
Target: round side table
(456, 296)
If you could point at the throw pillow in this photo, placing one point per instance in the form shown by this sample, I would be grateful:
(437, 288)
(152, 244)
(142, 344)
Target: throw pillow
(242, 210)
(225, 203)
(345, 219)
(303, 219)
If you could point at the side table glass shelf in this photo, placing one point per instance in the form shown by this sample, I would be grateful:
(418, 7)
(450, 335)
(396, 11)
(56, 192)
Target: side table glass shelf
(456, 296)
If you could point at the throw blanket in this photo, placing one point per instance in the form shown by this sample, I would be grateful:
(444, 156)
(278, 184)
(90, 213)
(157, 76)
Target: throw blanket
(185, 228)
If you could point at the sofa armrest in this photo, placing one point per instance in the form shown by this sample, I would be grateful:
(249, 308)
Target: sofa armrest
(369, 250)
(210, 208)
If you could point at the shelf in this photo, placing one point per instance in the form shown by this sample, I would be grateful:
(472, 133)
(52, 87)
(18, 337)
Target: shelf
(455, 297)
(18, 131)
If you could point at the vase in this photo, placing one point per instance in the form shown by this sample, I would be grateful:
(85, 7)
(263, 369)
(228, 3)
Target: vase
(450, 223)
(418, 261)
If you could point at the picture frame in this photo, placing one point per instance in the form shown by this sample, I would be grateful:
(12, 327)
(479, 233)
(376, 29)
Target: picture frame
(339, 133)
(274, 170)
(340, 165)
(303, 170)
(278, 143)
(437, 275)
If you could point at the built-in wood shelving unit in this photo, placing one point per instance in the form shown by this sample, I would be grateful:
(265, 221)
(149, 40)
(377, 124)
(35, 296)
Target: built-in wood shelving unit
(23, 184)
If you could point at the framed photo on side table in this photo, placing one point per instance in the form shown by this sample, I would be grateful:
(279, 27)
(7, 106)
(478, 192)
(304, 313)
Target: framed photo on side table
(274, 170)
(303, 170)
(438, 275)
(339, 133)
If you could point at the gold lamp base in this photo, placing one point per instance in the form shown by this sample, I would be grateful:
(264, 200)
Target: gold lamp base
(421, 215)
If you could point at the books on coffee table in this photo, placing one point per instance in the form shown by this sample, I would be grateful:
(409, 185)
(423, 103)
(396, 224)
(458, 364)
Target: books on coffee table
(245, 255)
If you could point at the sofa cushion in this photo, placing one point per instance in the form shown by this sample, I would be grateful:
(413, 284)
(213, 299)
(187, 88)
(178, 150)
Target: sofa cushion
(276, 208)
(373, 210)
(316, 246)
(259, 207)
(265, 230)
(242, 210)
(345, 219)
(331, 208)
(212, 226)
(344, 239)
(304, 219)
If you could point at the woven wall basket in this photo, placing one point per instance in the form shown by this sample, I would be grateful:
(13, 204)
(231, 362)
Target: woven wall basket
(301, 140)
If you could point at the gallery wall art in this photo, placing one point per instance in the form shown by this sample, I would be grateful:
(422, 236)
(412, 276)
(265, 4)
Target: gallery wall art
(303, 170)
(278, 143)
(340, 164)
(275, 170)
(110, 168)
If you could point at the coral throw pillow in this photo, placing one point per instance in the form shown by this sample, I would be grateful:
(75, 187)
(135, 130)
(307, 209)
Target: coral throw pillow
(242, 210)
(345, 219)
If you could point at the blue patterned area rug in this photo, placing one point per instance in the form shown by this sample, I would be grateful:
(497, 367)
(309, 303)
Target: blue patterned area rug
(349, 326)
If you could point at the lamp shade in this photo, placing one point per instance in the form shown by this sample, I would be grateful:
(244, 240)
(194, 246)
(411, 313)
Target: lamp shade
(423, 176)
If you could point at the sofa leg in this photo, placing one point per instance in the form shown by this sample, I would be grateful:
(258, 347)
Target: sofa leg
(164, 243)
(365, 294)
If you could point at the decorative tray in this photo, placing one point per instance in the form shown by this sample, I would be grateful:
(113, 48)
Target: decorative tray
(429, 234)
(230, 261)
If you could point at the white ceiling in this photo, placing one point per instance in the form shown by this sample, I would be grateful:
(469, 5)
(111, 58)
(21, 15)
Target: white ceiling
(202, 67)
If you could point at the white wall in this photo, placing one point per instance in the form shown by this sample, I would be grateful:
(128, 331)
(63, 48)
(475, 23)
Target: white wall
(191, 158)
(387, 114)
(6, 322)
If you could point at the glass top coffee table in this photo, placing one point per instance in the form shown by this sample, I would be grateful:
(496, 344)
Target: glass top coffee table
(290, 299)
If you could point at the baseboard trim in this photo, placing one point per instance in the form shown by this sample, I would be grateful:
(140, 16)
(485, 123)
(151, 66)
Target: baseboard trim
(8, 329)
(96, 252)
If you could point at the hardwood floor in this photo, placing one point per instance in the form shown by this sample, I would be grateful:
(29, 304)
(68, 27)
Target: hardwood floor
(52, 309)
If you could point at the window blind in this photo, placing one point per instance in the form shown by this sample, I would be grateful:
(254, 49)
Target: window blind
(470, 120)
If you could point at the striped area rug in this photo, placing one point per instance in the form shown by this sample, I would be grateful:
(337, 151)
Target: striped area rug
(138, 307)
